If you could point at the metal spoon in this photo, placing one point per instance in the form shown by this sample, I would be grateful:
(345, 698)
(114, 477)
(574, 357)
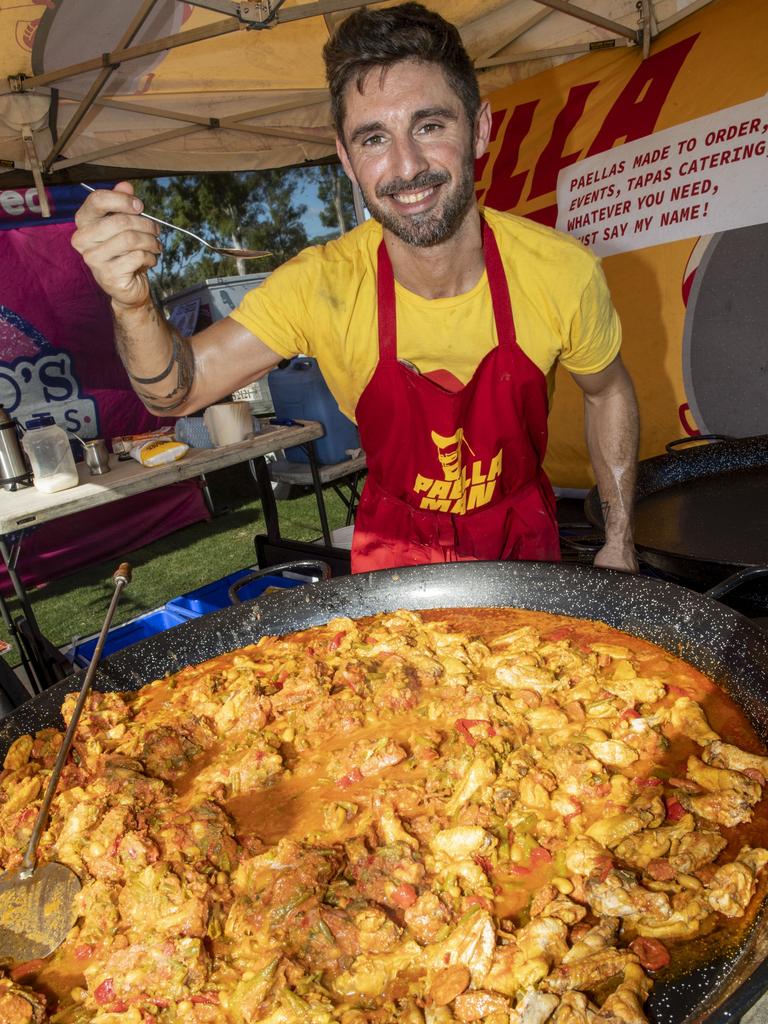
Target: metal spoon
(37, 904)
(222, 250)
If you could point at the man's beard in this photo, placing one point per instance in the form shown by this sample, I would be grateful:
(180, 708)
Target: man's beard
(434, 226)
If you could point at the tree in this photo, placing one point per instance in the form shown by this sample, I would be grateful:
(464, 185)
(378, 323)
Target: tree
(335, 190)
(254, 210)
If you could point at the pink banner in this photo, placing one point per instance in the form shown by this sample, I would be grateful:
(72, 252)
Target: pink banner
(57, 356)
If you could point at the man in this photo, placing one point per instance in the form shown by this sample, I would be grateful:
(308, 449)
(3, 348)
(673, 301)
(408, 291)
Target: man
(436, 327)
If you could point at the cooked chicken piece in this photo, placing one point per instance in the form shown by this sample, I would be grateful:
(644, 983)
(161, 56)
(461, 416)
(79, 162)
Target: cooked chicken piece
(538, 945)
(391, 828)
(611, 831)
(574, 1008)
(508, 672)
(482, 773)
(447, 984)
(613, 752)
(590, 971)
(477, 1005)
(471, 943)
(727, 807)
(619, 895)
(625, 1004)
(717, 780)
(157, 900)
(370, 975)
(688, 914)
(602, 935)
(427, 917)
(693, 850)
(584, 855)
(454, 844)
(19, 753)
(688, 718)
(523, 639)
(615, 651)
(20, 1005)
(637, 690)
(725, 755)
(546, 718)
(535, 1007)
(651, 844)
(376, 932)
(565, 910)
(733, 885)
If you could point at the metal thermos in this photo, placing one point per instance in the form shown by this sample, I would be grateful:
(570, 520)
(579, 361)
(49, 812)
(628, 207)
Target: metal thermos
(14, 472)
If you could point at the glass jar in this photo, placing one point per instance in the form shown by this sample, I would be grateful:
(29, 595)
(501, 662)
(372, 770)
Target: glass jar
(53, 465)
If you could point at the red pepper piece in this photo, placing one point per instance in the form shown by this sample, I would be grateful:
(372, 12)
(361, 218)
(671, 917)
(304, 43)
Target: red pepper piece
(646, 783)
(335, 642)
(105, 992)
(519, 869)
(403, 896)
(28, 967)
(353, 776)
(652, 954)
(462, 726)
(675, 809)
(540, 856)
(628, 713)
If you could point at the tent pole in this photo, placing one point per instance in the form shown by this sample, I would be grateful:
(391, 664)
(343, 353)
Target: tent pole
(555, 51)
(101, 80)
(593, 19)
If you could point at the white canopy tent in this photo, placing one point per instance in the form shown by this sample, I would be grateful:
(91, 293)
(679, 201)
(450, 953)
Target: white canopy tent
(132, 87)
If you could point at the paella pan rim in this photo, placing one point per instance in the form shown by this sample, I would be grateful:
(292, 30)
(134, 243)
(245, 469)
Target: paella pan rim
(717, 640)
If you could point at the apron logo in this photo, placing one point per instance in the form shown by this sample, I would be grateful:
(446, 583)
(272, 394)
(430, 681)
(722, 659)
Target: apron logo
(463, 487)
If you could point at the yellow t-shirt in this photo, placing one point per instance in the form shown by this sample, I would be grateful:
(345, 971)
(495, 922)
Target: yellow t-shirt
(322, 303)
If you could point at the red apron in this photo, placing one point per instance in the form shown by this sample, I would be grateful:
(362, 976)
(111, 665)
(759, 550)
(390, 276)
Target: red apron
(454, 476)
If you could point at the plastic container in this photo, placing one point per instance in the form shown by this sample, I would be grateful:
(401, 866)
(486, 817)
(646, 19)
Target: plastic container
(50, 455)
(214, 596)
(127, 634)
(299, 392)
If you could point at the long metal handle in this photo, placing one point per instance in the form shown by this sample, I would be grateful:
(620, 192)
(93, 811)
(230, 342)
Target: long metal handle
(121, 578)
(165, 224)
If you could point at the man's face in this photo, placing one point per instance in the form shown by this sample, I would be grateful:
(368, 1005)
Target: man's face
(410, 147)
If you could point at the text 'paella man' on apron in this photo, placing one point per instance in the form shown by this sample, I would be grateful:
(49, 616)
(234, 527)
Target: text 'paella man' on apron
(436, 327)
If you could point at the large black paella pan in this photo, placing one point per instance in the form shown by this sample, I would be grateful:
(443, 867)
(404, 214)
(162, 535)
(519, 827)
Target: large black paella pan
(715, 639)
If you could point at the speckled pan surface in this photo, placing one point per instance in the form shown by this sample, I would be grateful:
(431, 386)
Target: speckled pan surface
(717, 640)
(711, 489)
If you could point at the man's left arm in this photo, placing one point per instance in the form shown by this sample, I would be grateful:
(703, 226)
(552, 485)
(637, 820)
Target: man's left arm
(612, 429)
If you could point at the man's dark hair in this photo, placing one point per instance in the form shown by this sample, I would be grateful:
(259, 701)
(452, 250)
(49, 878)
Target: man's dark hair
(379, 39)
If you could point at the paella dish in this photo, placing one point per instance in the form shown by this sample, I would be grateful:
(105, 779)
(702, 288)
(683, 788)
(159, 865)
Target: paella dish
(468, 815)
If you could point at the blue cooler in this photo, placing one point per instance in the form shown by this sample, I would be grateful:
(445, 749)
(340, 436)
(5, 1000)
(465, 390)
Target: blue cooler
(214, 596)
(299, 392)
(124, 636)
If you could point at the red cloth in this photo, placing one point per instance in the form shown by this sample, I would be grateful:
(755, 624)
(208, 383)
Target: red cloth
(454, 475)
(57, 355)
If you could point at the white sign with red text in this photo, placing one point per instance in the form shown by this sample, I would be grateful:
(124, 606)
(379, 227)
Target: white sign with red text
(706, 175)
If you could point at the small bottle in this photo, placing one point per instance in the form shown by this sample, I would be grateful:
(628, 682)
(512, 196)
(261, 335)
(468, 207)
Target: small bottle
(53, 465)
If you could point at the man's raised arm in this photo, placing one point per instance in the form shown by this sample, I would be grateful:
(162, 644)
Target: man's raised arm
(170, 374)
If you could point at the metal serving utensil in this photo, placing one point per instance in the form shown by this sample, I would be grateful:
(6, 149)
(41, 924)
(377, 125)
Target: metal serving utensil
(37, 903)
(221, 250)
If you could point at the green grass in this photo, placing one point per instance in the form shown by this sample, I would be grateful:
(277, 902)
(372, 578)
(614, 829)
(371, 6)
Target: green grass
(75, 605)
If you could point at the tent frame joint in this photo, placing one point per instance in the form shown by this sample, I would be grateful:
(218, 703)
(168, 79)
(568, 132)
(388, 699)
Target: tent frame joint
(16, 82)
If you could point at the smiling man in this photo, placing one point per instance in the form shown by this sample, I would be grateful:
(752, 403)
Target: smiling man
(437, 326)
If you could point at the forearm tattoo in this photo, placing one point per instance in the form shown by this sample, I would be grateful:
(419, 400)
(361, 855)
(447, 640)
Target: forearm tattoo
(182, 361)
